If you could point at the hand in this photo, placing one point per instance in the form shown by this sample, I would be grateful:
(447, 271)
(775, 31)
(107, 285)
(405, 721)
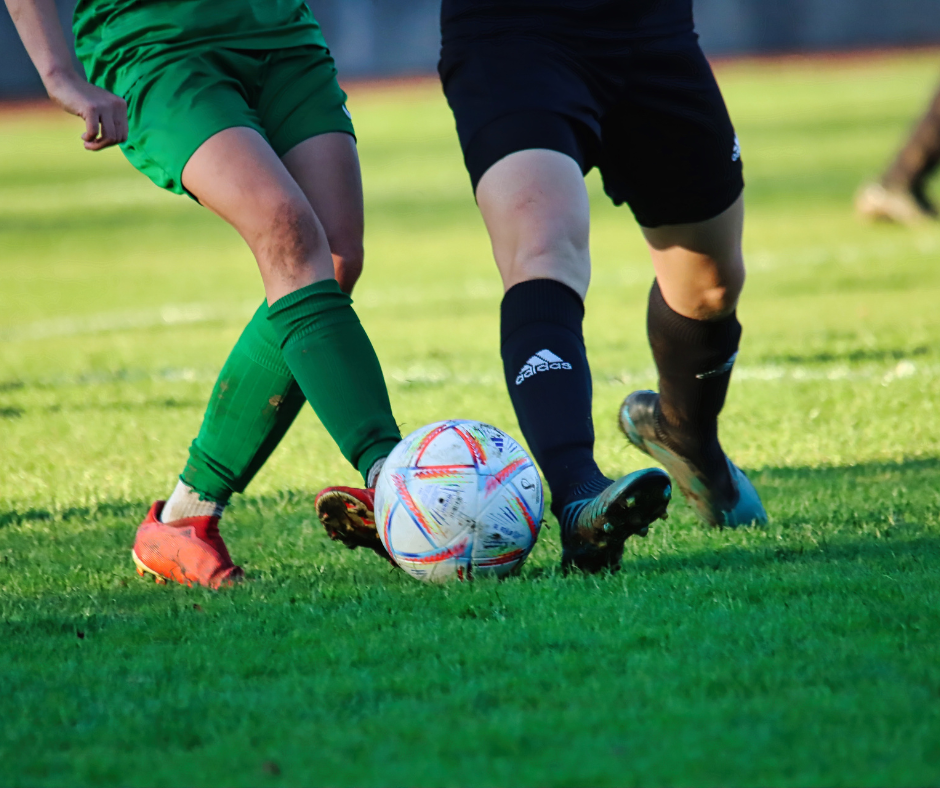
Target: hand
(105, 114)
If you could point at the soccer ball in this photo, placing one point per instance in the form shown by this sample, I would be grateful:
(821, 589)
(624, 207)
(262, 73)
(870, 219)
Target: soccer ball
(458, 499)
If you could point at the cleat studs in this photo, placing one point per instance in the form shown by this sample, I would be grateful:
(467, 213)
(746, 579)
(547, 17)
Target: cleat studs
(643, 531)
(608, 527)
(631, 501)
(664, 516)
(140, 571)
(160, 581)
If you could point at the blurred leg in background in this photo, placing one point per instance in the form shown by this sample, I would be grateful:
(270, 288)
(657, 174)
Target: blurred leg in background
(901, 193)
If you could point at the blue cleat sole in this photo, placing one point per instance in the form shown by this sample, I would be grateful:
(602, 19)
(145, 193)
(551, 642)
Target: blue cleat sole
(637, 420)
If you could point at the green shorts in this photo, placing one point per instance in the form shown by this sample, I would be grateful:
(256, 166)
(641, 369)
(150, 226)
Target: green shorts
(287, 95)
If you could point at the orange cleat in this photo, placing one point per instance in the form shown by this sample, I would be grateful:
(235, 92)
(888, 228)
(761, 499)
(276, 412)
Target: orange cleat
(348, 517)
(189, 551)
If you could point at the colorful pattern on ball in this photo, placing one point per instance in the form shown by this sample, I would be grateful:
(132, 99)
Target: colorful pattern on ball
(458, 499)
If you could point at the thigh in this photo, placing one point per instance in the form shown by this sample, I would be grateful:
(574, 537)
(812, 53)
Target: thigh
(177, 104)
(700, 266)
(536, 210)
(237, 175)
(326, 167)
(669, 148)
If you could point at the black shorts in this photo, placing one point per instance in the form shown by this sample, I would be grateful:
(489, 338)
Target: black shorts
(647, 113)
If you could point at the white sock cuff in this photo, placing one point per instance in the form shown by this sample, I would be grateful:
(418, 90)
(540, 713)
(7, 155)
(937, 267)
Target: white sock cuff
(185, 502)
(372, 477)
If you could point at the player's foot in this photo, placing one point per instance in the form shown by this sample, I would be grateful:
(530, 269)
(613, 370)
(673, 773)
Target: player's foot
(638, 420)
(594, 529)
(894, 204)
(189, 551)
(348, 517)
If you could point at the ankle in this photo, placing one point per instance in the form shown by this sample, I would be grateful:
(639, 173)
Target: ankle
(187, 502)
(372, 477)
(583, 490)
(697, 442)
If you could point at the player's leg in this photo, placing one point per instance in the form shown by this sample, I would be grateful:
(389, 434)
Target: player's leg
(694, 334)
(536, 211)
(256, 396)
(304, 113)
(326, 168)
(253, 403)
(527, 126)
(238, 175)
(900, 195)
(535, 208)
(693, 328)
(675, 159)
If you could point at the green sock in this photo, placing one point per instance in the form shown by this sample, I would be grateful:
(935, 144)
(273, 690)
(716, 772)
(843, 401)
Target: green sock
(333, 361)
(254, 402)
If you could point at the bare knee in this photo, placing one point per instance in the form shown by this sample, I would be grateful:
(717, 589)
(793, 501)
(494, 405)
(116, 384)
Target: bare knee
(291, 246)
(537, 213)
(700, 266)
(719, 298)
(539, 245)
(348, 259)
(537, 241)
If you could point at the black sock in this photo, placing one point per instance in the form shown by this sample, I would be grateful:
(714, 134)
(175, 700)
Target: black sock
(694, 359)
(549, 382)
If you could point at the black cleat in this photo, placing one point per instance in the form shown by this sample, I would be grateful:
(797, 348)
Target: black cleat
(594, 530)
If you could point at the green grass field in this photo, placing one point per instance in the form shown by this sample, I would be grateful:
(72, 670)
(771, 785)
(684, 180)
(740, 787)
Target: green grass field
(803, 653)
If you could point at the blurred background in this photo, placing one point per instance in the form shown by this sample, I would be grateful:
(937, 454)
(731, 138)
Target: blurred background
(379, 38)
(717, 657)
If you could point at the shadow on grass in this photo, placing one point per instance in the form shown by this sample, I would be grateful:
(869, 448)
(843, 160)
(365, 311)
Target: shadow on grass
(924, 470)
(868, 550)
(117, 509)
(867, 528)
(829, 478)
(286, 502)
(844, 549)
(857, 355)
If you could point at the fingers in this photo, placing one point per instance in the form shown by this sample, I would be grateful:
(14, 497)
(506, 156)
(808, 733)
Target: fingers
(108, 128)
(105, 114)
(106, 125)
(91, 126)
(121, 122)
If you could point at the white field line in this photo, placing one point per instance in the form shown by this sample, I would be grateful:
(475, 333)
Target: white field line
(771, 373)
(194, 313)
(467, 290)
(429, 375)
(927, 244)
(637, 269)
(169, 315)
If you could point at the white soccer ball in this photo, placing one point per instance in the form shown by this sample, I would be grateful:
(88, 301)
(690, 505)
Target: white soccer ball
(458, 499)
